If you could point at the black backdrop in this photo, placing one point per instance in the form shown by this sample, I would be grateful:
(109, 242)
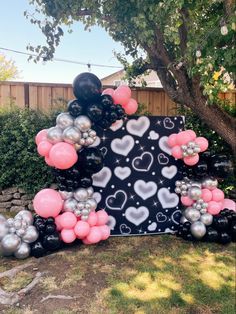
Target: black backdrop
(136, 185)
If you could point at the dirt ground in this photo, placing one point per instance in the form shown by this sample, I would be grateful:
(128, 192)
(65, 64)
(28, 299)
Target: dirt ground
(158, 274)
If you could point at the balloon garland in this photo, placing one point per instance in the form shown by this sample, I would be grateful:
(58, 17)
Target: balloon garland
(71, 214)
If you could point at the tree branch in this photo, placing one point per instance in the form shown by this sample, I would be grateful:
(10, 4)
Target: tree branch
(183, 31)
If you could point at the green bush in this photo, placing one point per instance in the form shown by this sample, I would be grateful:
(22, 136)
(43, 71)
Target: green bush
(20, 164)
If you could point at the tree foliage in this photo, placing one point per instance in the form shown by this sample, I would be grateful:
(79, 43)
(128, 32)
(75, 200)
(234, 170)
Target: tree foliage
(189, 43)
(8, 70)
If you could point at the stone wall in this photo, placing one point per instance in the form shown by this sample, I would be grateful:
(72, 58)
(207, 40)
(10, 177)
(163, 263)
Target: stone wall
(14, 199)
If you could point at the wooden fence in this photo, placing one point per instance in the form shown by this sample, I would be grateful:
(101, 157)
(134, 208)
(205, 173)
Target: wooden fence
(45, 97)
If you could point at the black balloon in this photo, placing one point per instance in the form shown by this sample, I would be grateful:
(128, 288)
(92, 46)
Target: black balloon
(220, 223)
(75, 108)
(50, 228)
(37, 250)
(233, 231)
(52, 241)
(211, 235)
(220, 166)
(87, 87)
(201, 168)
(91, 160)
(106, 101)
(95, 112)
(85, 182)
(224, 238)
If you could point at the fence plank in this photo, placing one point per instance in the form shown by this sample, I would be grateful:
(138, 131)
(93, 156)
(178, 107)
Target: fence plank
(44, 96)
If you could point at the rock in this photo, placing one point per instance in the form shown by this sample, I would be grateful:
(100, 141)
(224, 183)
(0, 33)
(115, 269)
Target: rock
(19, 202)
(53, 186)
(9, 191)
(16, 195)
(2, 210)
(5, 198)
(5, 204)
(16, 208)
(26, 197)
(20, 190)
(30, 207)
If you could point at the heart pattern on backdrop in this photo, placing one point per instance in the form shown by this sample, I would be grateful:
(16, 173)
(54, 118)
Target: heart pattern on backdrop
(163, 145)
(169, 172)
(153, 135)
(168, 124)
(143, 162)
(122, 146)
(102, 177)
(117, 200)
(138, 127)
(136, 215)
(145, 189)
(136, 185)
(167, 199)
(175, 217)
(122, 172)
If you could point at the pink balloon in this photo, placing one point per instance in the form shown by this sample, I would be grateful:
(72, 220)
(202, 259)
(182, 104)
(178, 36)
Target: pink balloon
(131, 107)
(68, 235)
(85, 241)
(186, 201)
(121, 97)
(183, 138)
(125, 89)
(177, 152)
(63, 155)
(81, 229)
(47, 203)
(108, 91)
(102, 217)
(92, 219)
(202, 142)
(214, 208)
(191, 160)
(57, 222)
(192, 134)
(44, 148)
(230, 204)
(206, 195)
(48, 161)
(172, 140)
(95, 235)
(218, 195)
(105, 231)
(41, 136)
(68, 220)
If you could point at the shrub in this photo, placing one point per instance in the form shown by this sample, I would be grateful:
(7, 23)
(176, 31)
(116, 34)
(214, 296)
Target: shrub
(20, 164)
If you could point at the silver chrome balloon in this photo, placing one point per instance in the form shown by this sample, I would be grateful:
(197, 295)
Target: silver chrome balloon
(10, 243)
(26, 217)
(183, 220)
(64, 120)
(54, 135)
(23, 251)
(70, 205)
(65, 195)
(31, 234)
(192, 214)
(71, 135)
(92, 203)
(90, 191)
(83, 123)
(3, 230)
(195, 193)
(210, 183)
(81, 195)
(10, 222)
(207, 219)
(198, 229)
(2, 218)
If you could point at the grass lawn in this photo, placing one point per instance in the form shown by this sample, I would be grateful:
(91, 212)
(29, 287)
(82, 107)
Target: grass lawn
(153, 275)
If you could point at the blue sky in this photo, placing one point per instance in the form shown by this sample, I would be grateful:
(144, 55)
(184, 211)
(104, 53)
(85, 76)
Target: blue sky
(16, 32)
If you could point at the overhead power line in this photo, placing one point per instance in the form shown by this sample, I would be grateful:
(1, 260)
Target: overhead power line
(88, 64)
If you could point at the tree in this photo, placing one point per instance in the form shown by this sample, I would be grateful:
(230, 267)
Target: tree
(190, 44)
(8, 70)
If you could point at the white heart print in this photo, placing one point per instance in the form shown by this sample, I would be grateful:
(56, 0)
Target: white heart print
(153, 135)
(145, 189)
(122, 146)
(136, 215)
(163, 145)
(102, 177)
(97, 196)
(167, 199)
(169, 172)
(117, 125)
(122, 172)
(152, 226)
(138, 127)
(96, 142)
(168, 124)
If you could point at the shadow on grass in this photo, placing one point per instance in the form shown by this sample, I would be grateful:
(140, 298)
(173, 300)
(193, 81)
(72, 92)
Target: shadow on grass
(174, 277)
